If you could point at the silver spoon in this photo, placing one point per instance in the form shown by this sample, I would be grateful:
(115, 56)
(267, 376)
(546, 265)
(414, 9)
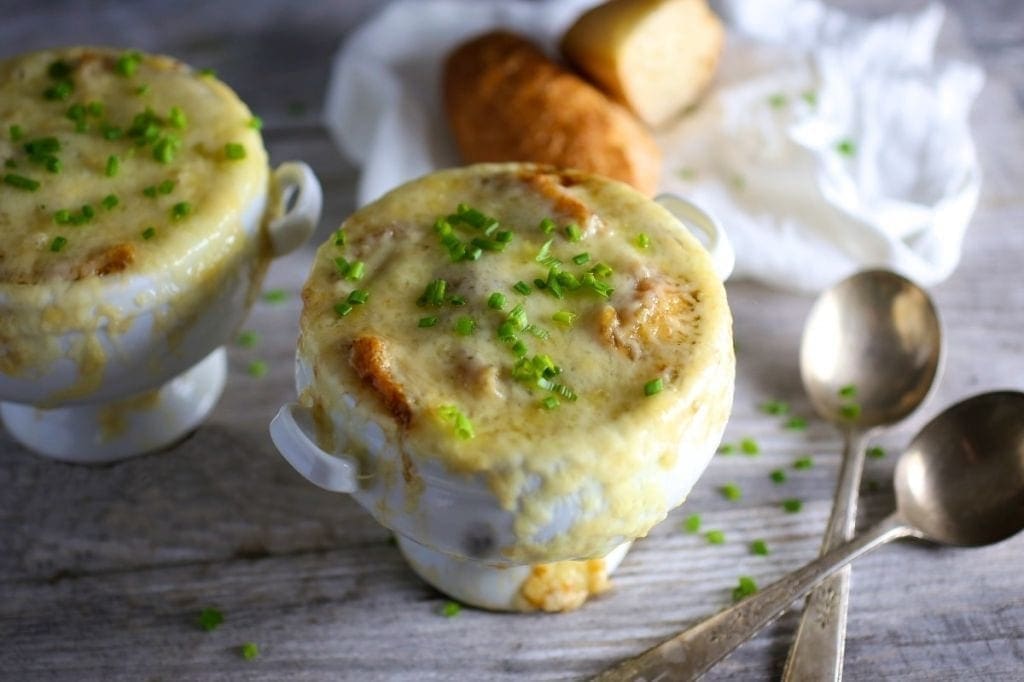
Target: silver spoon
(959, 482)
(870, 353)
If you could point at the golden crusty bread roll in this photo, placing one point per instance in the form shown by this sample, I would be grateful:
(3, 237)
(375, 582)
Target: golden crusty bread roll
(654, 56)
(506, 101)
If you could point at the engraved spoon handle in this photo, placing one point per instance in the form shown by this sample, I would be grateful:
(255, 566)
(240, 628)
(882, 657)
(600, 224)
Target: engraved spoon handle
(692, 653)
(817, 651)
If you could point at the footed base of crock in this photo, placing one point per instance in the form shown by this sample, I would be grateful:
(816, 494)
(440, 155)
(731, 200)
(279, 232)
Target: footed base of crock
(98, 433)
(477, 584)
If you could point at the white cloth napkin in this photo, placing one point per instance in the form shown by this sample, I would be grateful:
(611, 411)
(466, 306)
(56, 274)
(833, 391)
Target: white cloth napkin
(827, 144)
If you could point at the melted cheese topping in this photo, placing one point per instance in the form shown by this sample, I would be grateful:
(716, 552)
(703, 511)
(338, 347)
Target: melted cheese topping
(87, 243)
(197, 170)
(667, 318)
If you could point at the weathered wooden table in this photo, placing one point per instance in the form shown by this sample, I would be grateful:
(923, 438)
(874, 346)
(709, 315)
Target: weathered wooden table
(104, 570)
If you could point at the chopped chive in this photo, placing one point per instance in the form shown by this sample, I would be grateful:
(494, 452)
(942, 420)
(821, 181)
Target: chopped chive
(207, 73)
(536, 331)
(792, 505)
(565, 317)
(715, 537)
(427, 321)
(113, 165)
(846, 147)
(21, 182)
(94, 109)
(692, 523)
(465, 325)
(343, 308)
(142, 89)
(746, 587)
(110, 201)
(522, 288)
(234, 151)
(642, 241)
(256, 123)
(848, 391)
(796, 423)
(573, 232)
(778, 476)
(356, 271)
(53, 164)
(248, 338)
(547, 226)
(58, 243)
(249, 651)
(165, 187)
(749, 446)
(210, 618)
(653, 387)
(128, 63)
(76, 112)
(545, 251)
(10, 163)
(460, 423)
(803, 463)
(433, 294)
(726, 449)
(166, 148)
(774, 407)
(810, 96)
(88, 213)
(778, 100)
(340, 237)
(62, 217)
(257, 369)
(16, 132)
(180, 210)
(149, 233)
(150, 191)
(601, 270)
(496, 301)
(550, 403)
(876, 452)
(759, 547)
(359, 297)
(59, 91)
(731, 492)
(110, 132)
(850, 411)
(457, 300)
(450, 609)
(275, 296)
(581, 258)
(177, 118)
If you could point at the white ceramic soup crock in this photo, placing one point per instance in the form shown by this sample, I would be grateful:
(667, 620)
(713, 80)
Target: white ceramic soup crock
(162, 372)
(139, 216)
(452, 536)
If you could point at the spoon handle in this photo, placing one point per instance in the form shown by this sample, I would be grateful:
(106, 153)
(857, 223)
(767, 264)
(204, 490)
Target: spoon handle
(817, 651)
(692, 653)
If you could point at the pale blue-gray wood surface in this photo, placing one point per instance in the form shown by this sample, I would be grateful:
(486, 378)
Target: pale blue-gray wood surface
(103, 570)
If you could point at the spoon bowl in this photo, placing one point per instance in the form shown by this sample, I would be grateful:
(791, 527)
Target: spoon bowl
(871, 349)
(961, 480)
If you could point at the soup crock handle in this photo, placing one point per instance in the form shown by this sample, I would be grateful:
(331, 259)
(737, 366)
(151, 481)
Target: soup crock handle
(302, 197)
(705, 228)
(290, 431)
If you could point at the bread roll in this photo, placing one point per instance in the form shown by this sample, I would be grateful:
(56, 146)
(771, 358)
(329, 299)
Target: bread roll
(654, 56)
(507, 101)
